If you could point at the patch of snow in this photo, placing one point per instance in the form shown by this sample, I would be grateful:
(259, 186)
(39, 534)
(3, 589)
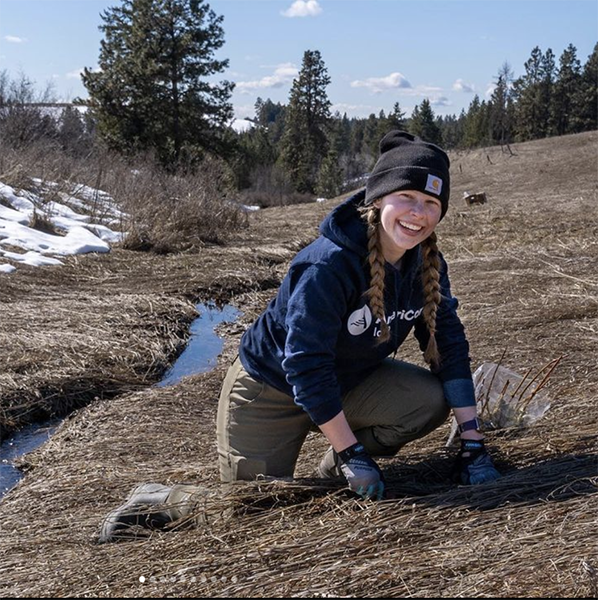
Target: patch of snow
(80, 234)
(35, 259)
(9, 214)
(78, 240)
(7, 268)
(105, 233)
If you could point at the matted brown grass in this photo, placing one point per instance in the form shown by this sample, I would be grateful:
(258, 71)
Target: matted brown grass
(524, 267)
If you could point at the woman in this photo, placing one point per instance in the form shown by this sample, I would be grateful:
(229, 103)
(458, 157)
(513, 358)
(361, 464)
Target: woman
(319, 355)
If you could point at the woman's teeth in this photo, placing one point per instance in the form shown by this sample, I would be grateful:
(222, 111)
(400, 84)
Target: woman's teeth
(410, 226)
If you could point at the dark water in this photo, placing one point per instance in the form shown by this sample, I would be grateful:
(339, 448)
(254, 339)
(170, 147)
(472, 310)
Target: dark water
(23, 441)
(199, 356)
(204, 345)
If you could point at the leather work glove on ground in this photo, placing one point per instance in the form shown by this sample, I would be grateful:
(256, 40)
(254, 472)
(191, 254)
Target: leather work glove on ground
(473, 464)
(362, 473)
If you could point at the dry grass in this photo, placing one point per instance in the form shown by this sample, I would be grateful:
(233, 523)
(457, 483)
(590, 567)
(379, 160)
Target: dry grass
(524, 268)
(83, 347)
(162, 212)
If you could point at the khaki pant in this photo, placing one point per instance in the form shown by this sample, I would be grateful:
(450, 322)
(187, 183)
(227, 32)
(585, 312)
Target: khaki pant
(260, 430)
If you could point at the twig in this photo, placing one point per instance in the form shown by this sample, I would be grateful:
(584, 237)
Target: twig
(536, 376)
(521, 382)
(525, 402)
(487, 399)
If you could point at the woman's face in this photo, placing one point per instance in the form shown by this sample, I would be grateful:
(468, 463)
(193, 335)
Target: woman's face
(407, 218)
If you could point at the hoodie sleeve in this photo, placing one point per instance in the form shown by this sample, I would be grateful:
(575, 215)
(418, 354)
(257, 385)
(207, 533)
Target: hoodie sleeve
(454, 370)
(317, 302)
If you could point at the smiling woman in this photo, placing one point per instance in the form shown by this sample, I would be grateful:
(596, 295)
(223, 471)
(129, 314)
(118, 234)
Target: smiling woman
(319, 355)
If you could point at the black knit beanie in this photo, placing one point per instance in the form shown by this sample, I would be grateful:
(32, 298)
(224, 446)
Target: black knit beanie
(408, 163)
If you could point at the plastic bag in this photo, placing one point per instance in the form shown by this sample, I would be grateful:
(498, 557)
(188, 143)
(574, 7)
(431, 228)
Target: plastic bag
(506, 399)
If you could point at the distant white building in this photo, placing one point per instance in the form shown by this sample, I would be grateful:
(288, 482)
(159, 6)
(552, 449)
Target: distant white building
(241, 125)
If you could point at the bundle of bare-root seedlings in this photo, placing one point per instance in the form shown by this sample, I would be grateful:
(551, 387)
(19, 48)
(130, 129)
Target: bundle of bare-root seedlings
(507, 400)
(513, 405)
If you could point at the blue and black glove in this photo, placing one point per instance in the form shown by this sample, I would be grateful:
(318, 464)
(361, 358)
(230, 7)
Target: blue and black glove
(473, 464)
(362, 473)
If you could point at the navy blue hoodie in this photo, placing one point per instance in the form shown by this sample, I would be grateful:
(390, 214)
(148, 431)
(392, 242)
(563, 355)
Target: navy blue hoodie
(317, 338)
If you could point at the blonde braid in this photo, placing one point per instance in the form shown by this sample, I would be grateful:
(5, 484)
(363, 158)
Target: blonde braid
(375, 293)
(431, 285)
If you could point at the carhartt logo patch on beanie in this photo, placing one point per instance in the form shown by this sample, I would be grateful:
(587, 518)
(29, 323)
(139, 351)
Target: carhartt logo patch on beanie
(408, 163)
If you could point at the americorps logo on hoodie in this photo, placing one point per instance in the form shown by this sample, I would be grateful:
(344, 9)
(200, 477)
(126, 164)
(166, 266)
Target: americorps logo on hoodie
(360, 319)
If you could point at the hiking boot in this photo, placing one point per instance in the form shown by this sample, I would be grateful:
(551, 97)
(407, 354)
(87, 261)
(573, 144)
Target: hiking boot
(329, 467)
(153, 506)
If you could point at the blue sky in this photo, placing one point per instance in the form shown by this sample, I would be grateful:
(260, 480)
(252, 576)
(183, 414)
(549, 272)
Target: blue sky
(377, 52)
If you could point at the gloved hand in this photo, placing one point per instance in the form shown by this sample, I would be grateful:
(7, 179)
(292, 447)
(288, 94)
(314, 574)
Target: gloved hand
(362, 473)
(473, 464)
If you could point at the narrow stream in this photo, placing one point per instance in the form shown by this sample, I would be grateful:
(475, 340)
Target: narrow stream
(204, 345)
(199, 356)
(19, 443)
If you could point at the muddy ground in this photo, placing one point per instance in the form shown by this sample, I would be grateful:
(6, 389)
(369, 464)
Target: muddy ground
(103, 328)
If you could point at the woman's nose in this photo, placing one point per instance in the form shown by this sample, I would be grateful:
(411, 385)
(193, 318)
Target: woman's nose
(418, 209)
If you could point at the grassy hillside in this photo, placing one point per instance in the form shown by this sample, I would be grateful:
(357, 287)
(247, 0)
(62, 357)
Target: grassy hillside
(524, 267)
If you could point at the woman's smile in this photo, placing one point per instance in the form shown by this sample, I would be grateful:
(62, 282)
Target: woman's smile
(407, 218)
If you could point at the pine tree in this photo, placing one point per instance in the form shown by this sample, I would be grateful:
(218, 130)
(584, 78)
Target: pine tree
(396, 119)
(72, 132)
(151, 92)
(473, 129)
(371, 139)
(564, 110)
(330, 177)
(423, 123)
(586, 98)
(266, 111)
(528, 94)
(500, 107)
(452, 131)
(545, 94)
(304, 142)
(357, 163)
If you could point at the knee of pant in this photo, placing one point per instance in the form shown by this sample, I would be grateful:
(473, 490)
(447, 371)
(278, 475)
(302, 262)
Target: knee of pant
(433, 411)
(437, 407)
(239, 468)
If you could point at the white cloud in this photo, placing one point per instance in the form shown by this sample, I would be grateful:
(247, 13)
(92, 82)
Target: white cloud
(283, 75)
(14, 39)
(461, 86)
(76, 74)
(379, 84)
(303, 8)
(440, 101)
(490, 90)
(423, 90)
